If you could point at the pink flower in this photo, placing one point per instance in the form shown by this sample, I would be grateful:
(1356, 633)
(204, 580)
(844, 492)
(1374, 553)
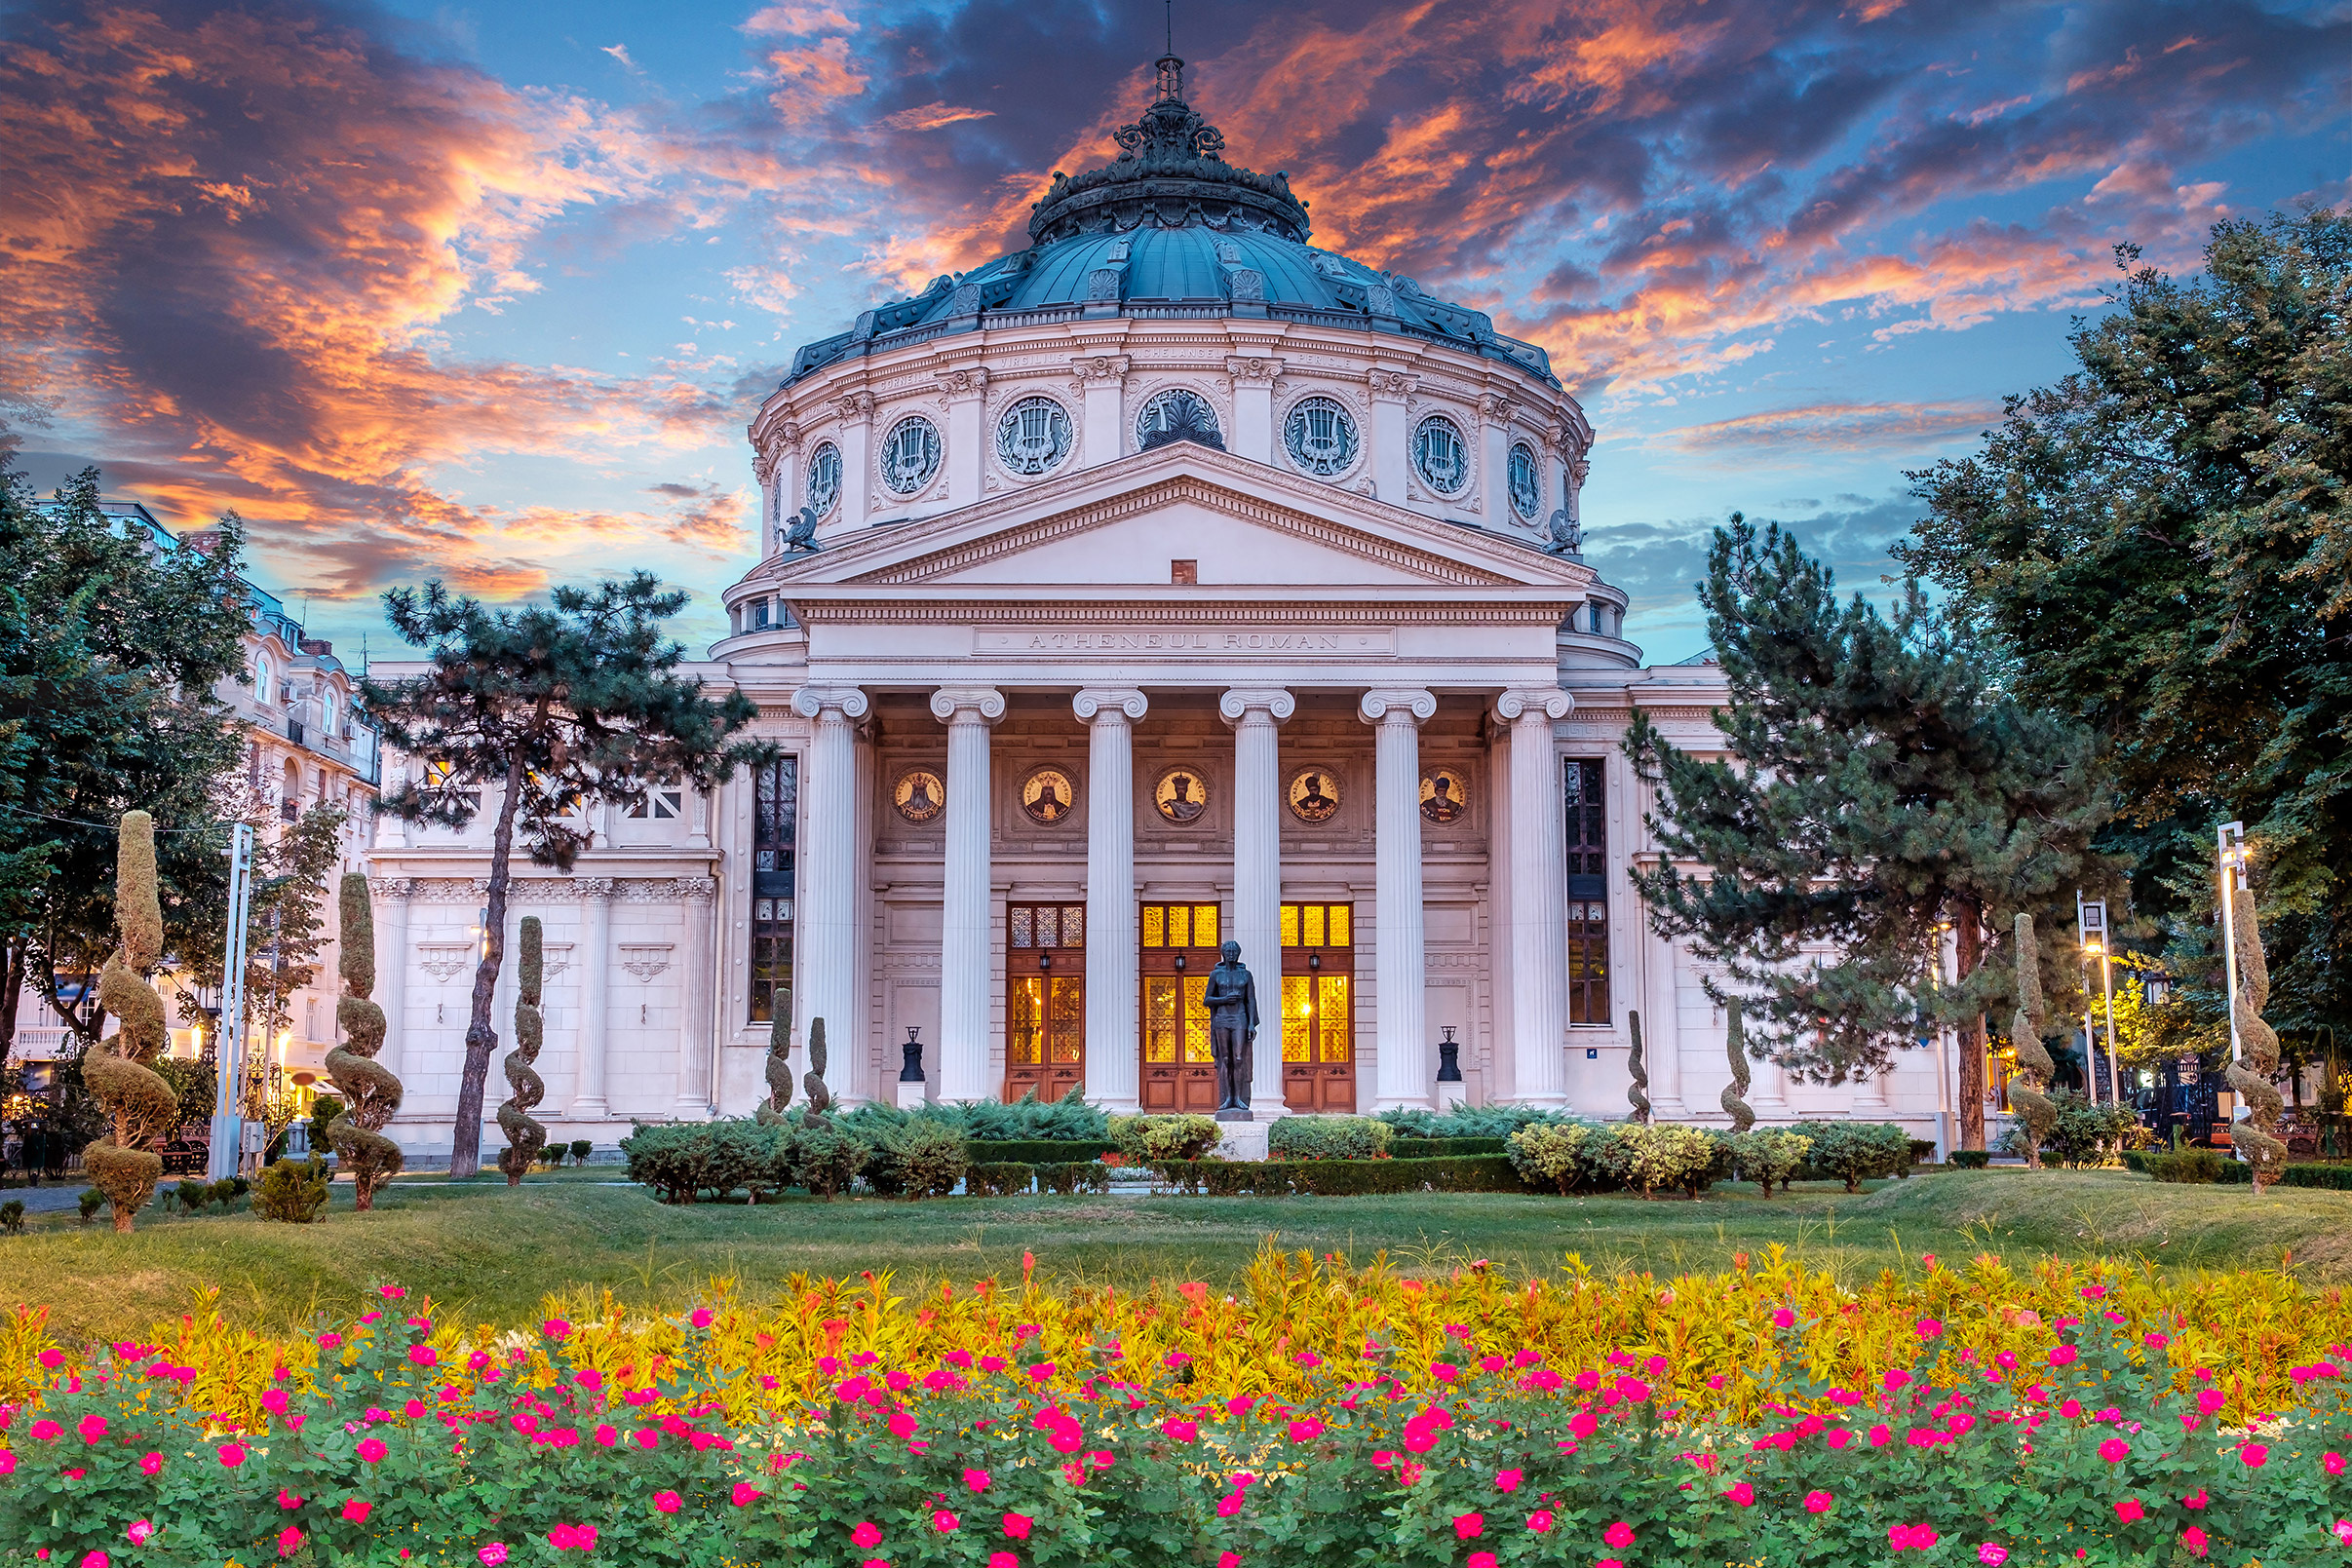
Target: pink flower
(492, 1554)
(1818, 1502)
(943, 1521)
(2342, 1529)
(1507, 1480)
(555, 1328)
(1003, 1559)
(139, 1531)
(2256, 1455)
(373, 1450)
(232, 1455)
(290, 1542)
(1991, 1552)
(1469, 1526)
(667, 1502)
(1182, 1432)
(2063, 1355)
(1229, 1505)
(1228, 1559)
(1481, 1559)
(150, 1463)
(1927, 1328)
(606, 1437)
(1743, 1494)
(2129, 1511)
(422, 1354)
(1619, 1535)
(2114, 1450)
(1017, 1525)
(97, 1559)
(357, 1510)
(977, 1479)
(1783, 1319)
(868, 1534)
(2195, 1499)
(1540, 1521)
(2195, 1540)
(743, 1493)
(1305, 1432)
(92, 1427)
(1909, 1537)
(287, 1500)
(2333, 1464)
(1880, 1435)
(700, 1318)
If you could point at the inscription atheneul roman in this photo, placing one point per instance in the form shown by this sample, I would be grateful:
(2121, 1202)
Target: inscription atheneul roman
(1183, 640)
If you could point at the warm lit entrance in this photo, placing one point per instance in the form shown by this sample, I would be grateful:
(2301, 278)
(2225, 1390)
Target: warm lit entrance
(1045, 998)
(1318, 1006)
(1180, 949)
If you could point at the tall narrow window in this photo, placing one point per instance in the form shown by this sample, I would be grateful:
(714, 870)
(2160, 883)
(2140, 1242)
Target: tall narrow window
(1588, 955)
(775, 814)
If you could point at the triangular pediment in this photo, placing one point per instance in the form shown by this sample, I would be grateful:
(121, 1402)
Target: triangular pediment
(1129, 522)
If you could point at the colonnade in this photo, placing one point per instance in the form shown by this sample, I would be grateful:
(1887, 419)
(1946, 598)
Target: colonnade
(1534, 916)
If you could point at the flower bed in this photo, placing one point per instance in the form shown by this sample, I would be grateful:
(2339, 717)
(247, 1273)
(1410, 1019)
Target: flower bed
(1326, 1416)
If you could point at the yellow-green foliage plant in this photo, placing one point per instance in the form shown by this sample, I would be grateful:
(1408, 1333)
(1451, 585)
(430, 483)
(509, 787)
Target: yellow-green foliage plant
(2255, 1137)
(1735, 1045)
(779, 1073)
(1637, 1070)
(371, 1093)
(524, 1137)
(2036, 1112)
(139, 1106)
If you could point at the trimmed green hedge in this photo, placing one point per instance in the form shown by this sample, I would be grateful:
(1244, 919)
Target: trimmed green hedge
(1976, 1158)
(2336, 1177)
(2191, 1166)
(1036, 1151)
(1073, 1176)
(1341, 1179)
(1404, 1148)
(998, 1178)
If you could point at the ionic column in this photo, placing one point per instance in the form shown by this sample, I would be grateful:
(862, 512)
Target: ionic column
(1109, 714)
(392, 964)
(1256, 715)
(1392, 434)
(1252, 378)
(1403, 1074)
(964, 390)
(1494, 470)
(1539, 895)
(856, 433)
(856, 1051)
(697, 1042)
(825, 902)
(966, 961)
(1103, 376)
(591, 1100)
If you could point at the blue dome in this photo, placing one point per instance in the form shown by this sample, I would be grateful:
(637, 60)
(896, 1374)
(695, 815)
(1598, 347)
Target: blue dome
(1171, 230)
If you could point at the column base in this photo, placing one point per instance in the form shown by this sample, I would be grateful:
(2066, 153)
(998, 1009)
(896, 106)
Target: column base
(686, 1110)
(908, 1097)
(1451, 1095)
(595, 1110)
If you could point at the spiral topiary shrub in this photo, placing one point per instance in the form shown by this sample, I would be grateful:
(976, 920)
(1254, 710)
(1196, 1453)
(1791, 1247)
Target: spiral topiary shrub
(140, 1107)
(1735, 1047)
(779, 1072)
(2036, 1112)
(524, 1137)
(1640, 1071)
(371, 1093)
(820, 1098)
(2256, 1136)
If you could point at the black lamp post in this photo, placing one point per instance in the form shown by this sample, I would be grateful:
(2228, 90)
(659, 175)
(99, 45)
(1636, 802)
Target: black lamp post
(912, 1071)
(1449, 1058)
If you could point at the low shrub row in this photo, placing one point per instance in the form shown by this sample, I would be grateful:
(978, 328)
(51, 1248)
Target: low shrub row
(2339, 1178)
(1650, 1156)
(2191, 1166)
(1025, 1432)
(1036, 1151)
(1405, 1148)
(1329, 1137)
(1340, 1178)
(1011, 1178)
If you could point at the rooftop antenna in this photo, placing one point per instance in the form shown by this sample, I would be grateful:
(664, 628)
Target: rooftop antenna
(1170, 14)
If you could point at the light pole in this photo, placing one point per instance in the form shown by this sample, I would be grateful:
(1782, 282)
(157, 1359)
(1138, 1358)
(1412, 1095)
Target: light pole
(2091, 923)
(223, 1159)
(2229, 840)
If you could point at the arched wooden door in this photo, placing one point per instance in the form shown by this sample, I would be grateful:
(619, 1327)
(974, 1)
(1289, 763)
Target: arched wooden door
(1045, 1000)
(1178, 949)
(1319, 1007)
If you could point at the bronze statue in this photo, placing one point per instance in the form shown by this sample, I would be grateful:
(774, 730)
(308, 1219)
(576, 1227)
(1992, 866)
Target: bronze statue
(1232, 1002)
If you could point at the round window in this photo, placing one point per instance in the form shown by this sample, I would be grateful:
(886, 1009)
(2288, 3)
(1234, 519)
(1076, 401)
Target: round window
(824, 478)
(1440, 455)
(1033, 436)
(911, 455)
(1178, 414)
(1319, 435)
(1526, 485)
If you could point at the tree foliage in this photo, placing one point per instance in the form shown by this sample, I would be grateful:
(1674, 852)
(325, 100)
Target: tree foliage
(531, 712)
(2161, 544)
(1877, 784)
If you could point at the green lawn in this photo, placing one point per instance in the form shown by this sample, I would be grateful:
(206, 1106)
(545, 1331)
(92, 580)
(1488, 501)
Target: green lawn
(491, 1253)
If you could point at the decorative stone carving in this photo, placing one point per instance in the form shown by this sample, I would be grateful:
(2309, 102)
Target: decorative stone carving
(645, 960)
(1099, 366)
(1496, 409)
(853, 406)
(1256, 370)
(441, 960)
(811, 701)
(554, 959)
(964, 381)
(1398, 384)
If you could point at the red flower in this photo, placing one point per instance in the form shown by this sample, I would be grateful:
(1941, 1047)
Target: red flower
(667, 1502)
(92, 1427)
(150, 1463)
(232, 1455)
(357, 1510)
(1003, 1559)
(1182, 1432)
(373, 1450)
(2129, 1509)
(2256, 1455)
(1540, 1521)
(2195, 1540)
(1743, 1494)
(2195, 1499)
(1481, 1559)
(1620, 1534)
(2114, 1450)
(1818, 1502)
(290, 1542)
(1469, 1526)
(943, 1521)
(743, 1493)
(866, 1534)
(1017, 1525)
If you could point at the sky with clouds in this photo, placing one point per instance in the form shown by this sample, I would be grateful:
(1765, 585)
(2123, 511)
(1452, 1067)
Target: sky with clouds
(489, 292)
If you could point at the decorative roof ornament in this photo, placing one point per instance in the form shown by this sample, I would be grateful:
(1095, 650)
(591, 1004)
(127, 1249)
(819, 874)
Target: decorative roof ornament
(1171, 172)
(1567, 535)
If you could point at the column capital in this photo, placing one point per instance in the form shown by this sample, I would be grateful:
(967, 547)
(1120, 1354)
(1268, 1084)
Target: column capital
(950, 702)
(1533, 705)
(850, 701)
(593, 888)
(853, 408)
(1100, 367)
(1412, 701)
(1254, 370)
(394, 887)
(962, 382)
(1278, 704)
(1496, 409)
(1394, 386)
(1113, 704)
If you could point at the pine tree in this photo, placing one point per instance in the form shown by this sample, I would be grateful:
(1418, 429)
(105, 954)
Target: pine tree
(529, 712)
(1877, 785)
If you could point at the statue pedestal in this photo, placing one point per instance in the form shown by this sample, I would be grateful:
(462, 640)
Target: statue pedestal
(1236, 1116)
(1244, 1140)
(909, 1095)
(1452, 1094)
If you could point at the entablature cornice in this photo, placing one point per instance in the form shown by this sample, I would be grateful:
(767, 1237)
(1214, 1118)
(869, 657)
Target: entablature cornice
(1513, 608)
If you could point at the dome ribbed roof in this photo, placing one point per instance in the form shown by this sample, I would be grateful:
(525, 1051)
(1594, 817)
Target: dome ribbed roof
(1170, 229)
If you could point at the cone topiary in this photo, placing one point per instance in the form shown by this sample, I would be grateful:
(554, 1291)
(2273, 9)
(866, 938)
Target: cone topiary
(779, 1073)
(524, 1137)
(370, 1091)
(819, 1100)
(141, 1105)
(1640, 1073)
(2037, 1113)
(2258, 1046)
(1735, 1045)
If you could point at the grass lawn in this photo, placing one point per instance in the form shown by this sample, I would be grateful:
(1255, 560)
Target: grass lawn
(489, 1253)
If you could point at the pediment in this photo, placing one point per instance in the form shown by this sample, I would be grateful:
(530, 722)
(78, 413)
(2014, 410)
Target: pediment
(1123, 524)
